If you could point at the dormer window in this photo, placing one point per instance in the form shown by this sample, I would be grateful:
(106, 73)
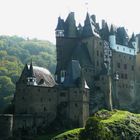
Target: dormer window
(31, 81)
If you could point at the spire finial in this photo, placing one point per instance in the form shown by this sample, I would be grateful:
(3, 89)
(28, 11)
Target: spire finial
(31, 69)
(86, 4)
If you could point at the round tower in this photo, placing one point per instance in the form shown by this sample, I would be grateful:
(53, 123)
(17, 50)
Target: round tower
(112, 38)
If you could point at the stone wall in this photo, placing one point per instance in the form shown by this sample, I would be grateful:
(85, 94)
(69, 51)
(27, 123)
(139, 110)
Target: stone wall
(36, 106)
(79, 105)
(36, 100)
(124, 65)
(6, 124)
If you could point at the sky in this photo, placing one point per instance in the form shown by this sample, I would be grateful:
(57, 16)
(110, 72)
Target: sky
(38, 18)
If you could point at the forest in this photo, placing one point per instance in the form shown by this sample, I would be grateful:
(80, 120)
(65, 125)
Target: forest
(15, 52)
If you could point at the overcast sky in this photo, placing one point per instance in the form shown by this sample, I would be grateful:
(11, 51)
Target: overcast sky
(38, 18)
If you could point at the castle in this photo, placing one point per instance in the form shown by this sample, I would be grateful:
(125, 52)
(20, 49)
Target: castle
(97, 67)
(107, 56)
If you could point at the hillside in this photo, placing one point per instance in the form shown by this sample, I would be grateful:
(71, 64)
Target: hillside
(106, 125)
(15, 52)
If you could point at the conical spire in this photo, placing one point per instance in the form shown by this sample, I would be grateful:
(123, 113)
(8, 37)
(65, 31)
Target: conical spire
(60, 24)
(87, 20)
(89, 28)
(31, 72)
(26, 67)
(133, 38)
(93, 17)
(112, 31)
(25, 71)
(70, 25)
(79, 26)
(24, 74)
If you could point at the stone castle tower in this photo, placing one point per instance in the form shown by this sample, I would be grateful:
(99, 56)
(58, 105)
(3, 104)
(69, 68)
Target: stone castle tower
(107, 56)
(39, 100)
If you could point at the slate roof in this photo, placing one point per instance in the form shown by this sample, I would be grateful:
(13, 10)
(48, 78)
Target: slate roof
(89, 28)
(60, 24)
(122, 36)
(112, 30)
(74, 75)
(81, 53)
(42, 75)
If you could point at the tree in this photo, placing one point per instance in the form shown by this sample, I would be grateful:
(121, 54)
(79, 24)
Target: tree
(2, 54)
(15, 52)
(6, 86)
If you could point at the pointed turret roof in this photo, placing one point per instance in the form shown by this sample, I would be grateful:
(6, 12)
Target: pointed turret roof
(87, 20)
(104, 31)
(84, 55)
(133, 38)
(75, 76)
(60, 24)
(122, 36)
(74, 70)
(93, 17)
(79, 26)
(112, 31)
(79, 30)
(25, 71)
(89, 27)
(70, 25)
(31, 71)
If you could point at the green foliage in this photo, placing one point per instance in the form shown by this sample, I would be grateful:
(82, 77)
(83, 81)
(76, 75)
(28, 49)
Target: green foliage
(70, 135)
(108, 125)
(48, 136)
(15, 52)
(94, 130)
(6, 86)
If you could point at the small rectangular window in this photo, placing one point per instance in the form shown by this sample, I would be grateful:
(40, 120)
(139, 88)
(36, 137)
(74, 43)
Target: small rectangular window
(122, 76)
(118, 65)
(97, 53)
(125, 66)
(132, 67)
(76, 105)
(62, 94)
(97, 63)
(100, 43)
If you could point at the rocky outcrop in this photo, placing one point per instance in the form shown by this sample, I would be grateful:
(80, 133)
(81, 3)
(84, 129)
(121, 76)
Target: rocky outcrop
(108, 125)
